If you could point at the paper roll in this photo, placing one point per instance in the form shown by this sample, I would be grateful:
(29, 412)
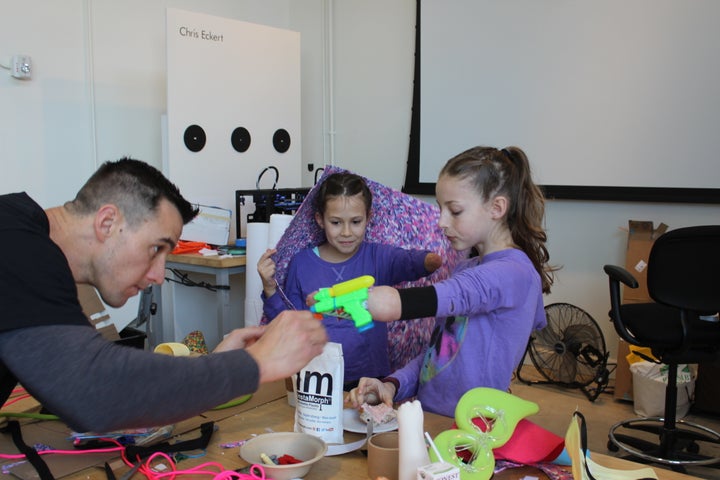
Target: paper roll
(253, 311)
(257, 243)
(278, 224)
(260, 237)
(413, 453)
(174, 349)
(382, 456)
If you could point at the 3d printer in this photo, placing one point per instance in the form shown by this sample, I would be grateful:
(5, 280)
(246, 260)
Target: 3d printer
(267, 202)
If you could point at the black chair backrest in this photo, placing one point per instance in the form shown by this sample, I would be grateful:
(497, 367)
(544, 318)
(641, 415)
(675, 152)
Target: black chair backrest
(684, 269)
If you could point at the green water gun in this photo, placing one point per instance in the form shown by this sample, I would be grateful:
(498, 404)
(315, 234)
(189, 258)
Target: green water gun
(347, 300)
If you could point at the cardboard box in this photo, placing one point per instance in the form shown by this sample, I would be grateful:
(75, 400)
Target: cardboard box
(438, 471)
(623, 377)
(641, 236)
(707, 389)
(94, 310)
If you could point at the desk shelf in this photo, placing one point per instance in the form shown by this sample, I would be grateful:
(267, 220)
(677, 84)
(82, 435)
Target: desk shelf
(169, 320)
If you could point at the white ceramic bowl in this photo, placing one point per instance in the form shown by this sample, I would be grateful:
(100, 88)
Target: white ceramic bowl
(302, 446)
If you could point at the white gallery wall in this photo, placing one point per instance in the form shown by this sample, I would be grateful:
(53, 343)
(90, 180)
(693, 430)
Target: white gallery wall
(99, 92)
(46, 128)
(233, 108)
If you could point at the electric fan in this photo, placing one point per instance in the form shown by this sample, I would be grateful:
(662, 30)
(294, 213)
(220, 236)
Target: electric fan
(570, 350)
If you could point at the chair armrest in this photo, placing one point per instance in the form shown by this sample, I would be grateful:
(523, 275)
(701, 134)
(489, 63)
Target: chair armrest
(619, 274)
(616, 276)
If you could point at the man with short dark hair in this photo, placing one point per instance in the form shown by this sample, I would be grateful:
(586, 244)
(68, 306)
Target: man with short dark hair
(116, 235)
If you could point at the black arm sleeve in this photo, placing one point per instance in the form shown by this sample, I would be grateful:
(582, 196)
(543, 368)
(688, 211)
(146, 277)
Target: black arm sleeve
(417, 302)
(95, 385)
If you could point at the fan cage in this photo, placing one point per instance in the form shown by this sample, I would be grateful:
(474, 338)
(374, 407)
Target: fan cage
(570, 351)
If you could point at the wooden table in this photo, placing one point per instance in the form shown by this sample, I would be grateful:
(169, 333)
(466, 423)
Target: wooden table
(269, 409)
(161, 328)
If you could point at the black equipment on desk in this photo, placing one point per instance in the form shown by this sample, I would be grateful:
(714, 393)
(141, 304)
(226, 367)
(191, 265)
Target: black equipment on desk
(268, 201)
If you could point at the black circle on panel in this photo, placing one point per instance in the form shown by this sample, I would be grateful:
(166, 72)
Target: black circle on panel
(194, 138)
(240, 139)
(281, 140)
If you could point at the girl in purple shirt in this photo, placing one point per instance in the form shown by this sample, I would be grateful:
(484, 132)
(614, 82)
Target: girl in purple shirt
(488, 308)
(343, 208)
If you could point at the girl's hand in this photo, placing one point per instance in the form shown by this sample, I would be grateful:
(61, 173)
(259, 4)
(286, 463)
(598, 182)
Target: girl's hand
(310, 299)
(266, 270)
(433, 261)
(383, 303)
(371, 391)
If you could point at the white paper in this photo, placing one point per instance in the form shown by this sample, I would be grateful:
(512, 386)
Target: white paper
(211, 225)
(278, 224)
(257, 241)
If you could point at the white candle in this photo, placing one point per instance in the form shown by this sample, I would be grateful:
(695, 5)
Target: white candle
(413, 453)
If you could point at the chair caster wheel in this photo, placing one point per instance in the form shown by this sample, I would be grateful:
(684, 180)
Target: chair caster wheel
(692, 447)
(612, 447)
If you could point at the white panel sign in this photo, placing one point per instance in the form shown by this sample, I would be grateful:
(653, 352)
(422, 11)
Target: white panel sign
(233, 99)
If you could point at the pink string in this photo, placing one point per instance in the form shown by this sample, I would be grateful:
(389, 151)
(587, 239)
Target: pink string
(17, 390)
(214, 470)
(16, 399)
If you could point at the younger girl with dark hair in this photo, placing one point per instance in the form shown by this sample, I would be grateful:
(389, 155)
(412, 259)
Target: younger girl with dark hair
(343, 209)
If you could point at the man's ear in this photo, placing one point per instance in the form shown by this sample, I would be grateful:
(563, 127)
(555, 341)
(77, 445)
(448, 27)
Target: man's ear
(319, 220)
(499, 207)
(106, 221)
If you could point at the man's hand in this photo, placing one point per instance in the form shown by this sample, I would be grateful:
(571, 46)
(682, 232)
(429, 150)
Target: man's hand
(289, 342)
(266, 269)
(240, 338)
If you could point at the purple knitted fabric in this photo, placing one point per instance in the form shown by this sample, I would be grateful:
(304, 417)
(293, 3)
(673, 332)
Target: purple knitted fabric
(396, 219)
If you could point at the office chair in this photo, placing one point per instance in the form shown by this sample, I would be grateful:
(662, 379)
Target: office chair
(683, 277)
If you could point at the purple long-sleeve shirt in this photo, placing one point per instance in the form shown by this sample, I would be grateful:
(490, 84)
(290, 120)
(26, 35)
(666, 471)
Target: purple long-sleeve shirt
(365, 353)
(486, 312)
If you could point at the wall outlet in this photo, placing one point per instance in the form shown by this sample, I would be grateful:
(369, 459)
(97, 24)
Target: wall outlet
(21, 67)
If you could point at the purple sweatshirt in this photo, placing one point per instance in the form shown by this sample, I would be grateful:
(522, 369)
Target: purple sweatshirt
(365, 354)
(486, 312)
